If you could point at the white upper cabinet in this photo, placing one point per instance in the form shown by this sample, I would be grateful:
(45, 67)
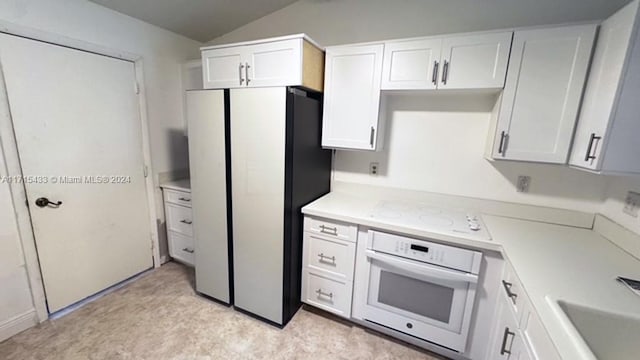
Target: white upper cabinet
(475, 61)
(411, 64)
(273, 63)
(285, 61)
(455, 62)
(352, 97)
(606, 138)
(223, 68)
(542, 94)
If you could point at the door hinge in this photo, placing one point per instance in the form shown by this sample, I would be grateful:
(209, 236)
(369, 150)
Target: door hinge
(136, 87)
(145, 171)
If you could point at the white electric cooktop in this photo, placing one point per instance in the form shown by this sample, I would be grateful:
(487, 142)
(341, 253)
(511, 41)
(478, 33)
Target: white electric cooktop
(450, 222)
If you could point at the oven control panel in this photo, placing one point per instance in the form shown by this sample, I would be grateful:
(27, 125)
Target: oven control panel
(425, 251)
(421, 252)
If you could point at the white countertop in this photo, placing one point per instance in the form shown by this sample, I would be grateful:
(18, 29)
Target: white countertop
(179, 185)
(567, 263)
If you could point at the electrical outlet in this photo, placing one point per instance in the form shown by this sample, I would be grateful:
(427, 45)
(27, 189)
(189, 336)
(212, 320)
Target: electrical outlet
(373, 168)
(523, 183)
(631, 203)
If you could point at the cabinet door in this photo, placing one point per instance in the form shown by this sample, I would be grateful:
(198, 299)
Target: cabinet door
(258, 124)
(276, 63)
(475, 62)
(602, 87)
(541, 99)
(223, 68)
(352, 97)
(207, 163)
(506, 340)
(411, 65)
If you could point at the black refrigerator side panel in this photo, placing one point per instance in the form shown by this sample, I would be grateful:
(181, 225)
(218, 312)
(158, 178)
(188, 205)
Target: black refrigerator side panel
(307, 177)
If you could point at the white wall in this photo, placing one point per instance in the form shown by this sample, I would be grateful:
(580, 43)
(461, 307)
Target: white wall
(332, 22)
(436, 143)
(162, 53)
(15, 294)
(613, 205)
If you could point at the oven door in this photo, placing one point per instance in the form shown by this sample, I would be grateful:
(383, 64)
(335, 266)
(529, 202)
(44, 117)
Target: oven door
(430, 302)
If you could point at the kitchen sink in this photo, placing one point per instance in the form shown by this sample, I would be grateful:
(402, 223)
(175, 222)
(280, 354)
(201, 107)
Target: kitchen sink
(599, 334)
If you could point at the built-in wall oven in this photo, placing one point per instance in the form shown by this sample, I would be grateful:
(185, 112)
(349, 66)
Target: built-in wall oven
(423, 289)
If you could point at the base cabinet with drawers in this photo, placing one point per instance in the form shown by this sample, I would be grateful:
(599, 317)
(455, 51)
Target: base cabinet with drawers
(518, 334)
(328, 263)
(179, 220)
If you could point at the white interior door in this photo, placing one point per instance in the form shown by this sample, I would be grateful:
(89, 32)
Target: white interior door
(77, 126)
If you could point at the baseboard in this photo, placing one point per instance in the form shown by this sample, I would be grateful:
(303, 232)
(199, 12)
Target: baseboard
(18, 324)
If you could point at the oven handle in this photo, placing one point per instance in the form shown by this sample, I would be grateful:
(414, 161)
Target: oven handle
(430, 271)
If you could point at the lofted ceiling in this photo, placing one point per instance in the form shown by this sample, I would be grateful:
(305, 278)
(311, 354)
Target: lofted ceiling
(199, 20)
(204, 20)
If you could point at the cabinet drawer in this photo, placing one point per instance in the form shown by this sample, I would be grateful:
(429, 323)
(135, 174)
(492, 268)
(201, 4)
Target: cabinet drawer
(179, 219)
(513, 291)
(327, 294)
(181, 247)
(331, 228)
(177, 197)
(335, 257)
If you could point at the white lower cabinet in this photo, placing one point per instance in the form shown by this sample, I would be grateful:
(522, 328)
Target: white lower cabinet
(518, 334)
(326, 293)
(179, 215)
(328, 264)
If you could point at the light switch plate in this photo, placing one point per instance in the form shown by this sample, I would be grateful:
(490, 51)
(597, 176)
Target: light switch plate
(631, 203)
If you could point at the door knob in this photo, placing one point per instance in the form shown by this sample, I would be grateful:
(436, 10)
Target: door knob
(42, 202)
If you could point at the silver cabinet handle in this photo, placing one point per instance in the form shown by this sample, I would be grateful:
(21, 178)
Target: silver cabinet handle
(188, 222)
(507, 288)
(505, 337)
(246, 72)
(503, 138)
(189, 250)
(184, 199)
(371, 136)
(320, 294)
(434, 77)
(445, 72)
(592, 139)
(329, 230)
(324, 258)
(240, 67)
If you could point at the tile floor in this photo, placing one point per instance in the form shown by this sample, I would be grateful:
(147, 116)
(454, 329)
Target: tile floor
(159, 316)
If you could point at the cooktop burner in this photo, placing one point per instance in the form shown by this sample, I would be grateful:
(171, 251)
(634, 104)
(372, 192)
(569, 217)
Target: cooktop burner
(437, 220)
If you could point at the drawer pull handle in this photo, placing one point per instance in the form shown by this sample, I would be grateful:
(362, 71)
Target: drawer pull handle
(507, 288)
(189, 250)
(188, 222)
(184, 199)
(321, 294)
(329, 230)
(505, 337)
(325, 259)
